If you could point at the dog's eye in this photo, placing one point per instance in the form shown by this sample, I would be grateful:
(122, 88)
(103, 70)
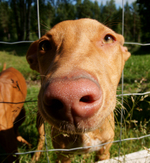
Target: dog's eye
(45, 45)
(108, 39)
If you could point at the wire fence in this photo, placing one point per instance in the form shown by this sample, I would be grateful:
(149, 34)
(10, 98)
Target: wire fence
(120, 95)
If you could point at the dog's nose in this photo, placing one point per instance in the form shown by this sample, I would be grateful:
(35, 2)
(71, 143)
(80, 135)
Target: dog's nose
(70, 98)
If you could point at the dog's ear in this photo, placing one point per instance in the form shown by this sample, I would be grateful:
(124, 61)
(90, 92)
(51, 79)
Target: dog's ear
(31, 56)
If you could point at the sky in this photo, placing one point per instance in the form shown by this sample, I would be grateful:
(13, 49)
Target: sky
(117, 2)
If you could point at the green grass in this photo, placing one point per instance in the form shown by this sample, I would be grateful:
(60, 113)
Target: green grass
(136, 68)
(136, 74)
(137, 108)
(15, 57)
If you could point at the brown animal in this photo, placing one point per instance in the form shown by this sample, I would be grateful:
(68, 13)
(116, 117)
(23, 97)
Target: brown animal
(13, 92)
(80, 62)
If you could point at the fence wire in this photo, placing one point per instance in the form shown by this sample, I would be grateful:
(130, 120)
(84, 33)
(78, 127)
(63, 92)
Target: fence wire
(120, 95)
(122, 84)
(78, 148)
(17, 42)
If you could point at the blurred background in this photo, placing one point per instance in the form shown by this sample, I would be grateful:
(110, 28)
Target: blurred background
(18, 18)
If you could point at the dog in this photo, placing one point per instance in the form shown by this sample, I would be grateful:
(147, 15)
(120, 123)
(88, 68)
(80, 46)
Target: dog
(13, 92)
(80, 63)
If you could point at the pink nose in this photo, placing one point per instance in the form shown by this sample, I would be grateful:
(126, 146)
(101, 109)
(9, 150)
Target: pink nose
(67, 99)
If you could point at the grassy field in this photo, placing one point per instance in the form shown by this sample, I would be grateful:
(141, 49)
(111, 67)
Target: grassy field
(137, 108)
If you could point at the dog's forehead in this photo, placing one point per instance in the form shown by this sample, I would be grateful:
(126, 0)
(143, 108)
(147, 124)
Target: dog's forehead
(84, 23)
(71, 28)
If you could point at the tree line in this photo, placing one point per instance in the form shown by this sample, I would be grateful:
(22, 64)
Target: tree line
(18, 18)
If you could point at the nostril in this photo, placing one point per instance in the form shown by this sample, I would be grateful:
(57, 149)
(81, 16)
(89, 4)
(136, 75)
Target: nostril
(55, 104)
(87, 99)
(55, 108)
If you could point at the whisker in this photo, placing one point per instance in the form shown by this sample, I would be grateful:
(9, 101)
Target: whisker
(44, 25)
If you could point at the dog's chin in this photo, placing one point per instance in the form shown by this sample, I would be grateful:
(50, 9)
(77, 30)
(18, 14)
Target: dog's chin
(71, 128)
(75, 127)
(67, 127)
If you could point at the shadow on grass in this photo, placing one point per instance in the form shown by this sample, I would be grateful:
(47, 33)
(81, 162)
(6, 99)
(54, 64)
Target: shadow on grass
(137, 110)
(143, 50)
(15, 49)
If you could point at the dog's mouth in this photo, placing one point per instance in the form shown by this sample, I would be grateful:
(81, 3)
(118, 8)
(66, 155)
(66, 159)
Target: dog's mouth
(65, 120)
(67, 124)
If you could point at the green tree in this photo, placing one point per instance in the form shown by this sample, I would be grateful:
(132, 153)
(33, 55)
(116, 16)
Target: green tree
(19, 7)
(128, 23)
(132, 23)
(47, 13)
(28, 19)
(144, 11)
(85, 9)
(5, 21)
(18, 18)
(117, 21)
(108, 12)
(96, 11)
(65, 11)
(136, 27)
